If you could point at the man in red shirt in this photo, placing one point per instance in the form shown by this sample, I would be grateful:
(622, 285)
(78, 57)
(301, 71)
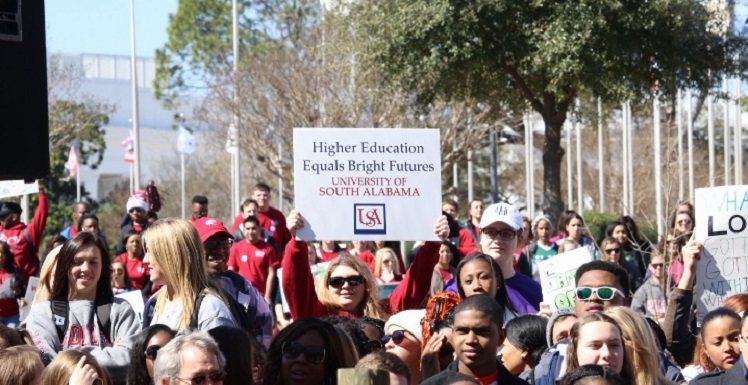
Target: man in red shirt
(270, 218)
(254, 259)
(470, 233)
(24, 240)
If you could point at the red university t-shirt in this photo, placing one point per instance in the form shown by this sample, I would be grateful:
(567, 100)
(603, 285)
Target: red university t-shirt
(252, 261)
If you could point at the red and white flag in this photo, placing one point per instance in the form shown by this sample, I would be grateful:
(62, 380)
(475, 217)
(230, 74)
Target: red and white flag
(72, 164)
(129, 145)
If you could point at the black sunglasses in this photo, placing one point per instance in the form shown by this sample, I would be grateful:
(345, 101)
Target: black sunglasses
(397, 337)
(338, 282)
(611, 251)
(136, 209)
(312, 354)
(199, 380)
(371, 346)
(152, 351)
(213, 245)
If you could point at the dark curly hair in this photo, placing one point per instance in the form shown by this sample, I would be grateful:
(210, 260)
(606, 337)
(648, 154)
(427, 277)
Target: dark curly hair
(137, 374)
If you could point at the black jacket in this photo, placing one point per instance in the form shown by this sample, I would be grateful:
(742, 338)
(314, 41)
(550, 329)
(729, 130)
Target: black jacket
(732, 376)
(505, 378)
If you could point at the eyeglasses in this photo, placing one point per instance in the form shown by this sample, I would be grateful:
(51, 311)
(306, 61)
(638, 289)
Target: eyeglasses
(213, 245)
(604, 293)
(215, 377)
(505, 234)
(373, 346)
(611, 251)
(397, 337)
(312, 354)
(657, 265)
(338, 282)
(152, 351)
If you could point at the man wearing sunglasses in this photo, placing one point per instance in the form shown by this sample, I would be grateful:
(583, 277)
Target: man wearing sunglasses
(217, 243)
(600, 286)
(476, 338)
(649, 299)
(192, 359)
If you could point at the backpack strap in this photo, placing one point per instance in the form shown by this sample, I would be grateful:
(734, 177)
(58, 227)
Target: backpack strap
(196, 312)
(60, 310)
(103, 314)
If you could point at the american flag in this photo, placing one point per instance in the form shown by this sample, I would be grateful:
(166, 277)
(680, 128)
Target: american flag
(129, 145)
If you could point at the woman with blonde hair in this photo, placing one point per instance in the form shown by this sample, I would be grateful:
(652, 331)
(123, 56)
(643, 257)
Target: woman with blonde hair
(75, 367)
(175, 259)
(20, 365)
(46, 276)
(387, 270)
(348, 287)
(641, 346)
(597, 339)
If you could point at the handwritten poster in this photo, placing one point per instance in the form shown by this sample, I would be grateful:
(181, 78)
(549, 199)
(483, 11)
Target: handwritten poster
(368, 184)
(721, 225)
(557, 277)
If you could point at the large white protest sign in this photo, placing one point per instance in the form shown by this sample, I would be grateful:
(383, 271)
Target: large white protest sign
(557, 277)
(722, 227)
(368, 184)
(12, 188)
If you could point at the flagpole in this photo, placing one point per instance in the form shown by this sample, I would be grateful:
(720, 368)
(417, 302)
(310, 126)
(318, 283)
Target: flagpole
(78, 184)
(738, 141)
(657, 165)
(625, 156)
(600, 155)
(726, 128)
(569, 182)
(134, 84)
(689, 115)
(679, 120)
(710, 134)
(184, 207)
(578, 130)
(280, 176)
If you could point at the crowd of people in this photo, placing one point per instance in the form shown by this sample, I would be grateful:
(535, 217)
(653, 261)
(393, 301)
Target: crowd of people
(251, 304)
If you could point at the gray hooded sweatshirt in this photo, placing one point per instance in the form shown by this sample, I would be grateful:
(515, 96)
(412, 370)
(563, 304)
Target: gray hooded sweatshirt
(83, 333)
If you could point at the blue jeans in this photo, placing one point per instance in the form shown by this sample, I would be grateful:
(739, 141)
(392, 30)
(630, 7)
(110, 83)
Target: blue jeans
(11, 321)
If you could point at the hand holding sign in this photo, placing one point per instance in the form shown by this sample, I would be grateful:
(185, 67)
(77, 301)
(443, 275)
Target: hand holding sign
(294, 221)
(441, 228)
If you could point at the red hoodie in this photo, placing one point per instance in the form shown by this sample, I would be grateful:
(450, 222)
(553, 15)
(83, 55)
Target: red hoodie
(298, 283)
(25, 253)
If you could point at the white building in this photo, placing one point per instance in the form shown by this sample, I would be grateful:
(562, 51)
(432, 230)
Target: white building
(107, 78)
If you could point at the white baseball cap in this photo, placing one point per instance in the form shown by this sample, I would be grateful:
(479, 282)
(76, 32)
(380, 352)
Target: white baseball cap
(501, 212)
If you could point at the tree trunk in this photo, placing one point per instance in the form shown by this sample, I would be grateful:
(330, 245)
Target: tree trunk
(552, 156)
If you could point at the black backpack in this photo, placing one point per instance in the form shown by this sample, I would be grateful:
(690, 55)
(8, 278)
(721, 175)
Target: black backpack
(245, 317)
(61, 310)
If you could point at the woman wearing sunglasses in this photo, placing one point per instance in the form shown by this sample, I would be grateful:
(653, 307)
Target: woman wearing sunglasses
(81, 295)
(121, 282)
(611, 250)
(307, 352)
(348, 287)
(175, 258)
(403, 336)
(144, 351)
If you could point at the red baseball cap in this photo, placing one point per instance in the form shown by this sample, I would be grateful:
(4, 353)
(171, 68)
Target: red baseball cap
(208, 227)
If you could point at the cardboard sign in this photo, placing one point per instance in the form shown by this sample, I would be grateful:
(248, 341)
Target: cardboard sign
(557, 277)
(722, 227)
(368, 184)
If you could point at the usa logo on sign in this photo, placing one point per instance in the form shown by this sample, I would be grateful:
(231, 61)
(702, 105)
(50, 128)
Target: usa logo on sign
(369, 218)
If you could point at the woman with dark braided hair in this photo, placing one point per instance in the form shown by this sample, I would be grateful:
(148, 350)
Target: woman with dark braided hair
(437, 352)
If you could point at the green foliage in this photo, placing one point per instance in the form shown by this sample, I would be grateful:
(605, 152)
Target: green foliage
(200, 44)
(597, 222)
(542, 54)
